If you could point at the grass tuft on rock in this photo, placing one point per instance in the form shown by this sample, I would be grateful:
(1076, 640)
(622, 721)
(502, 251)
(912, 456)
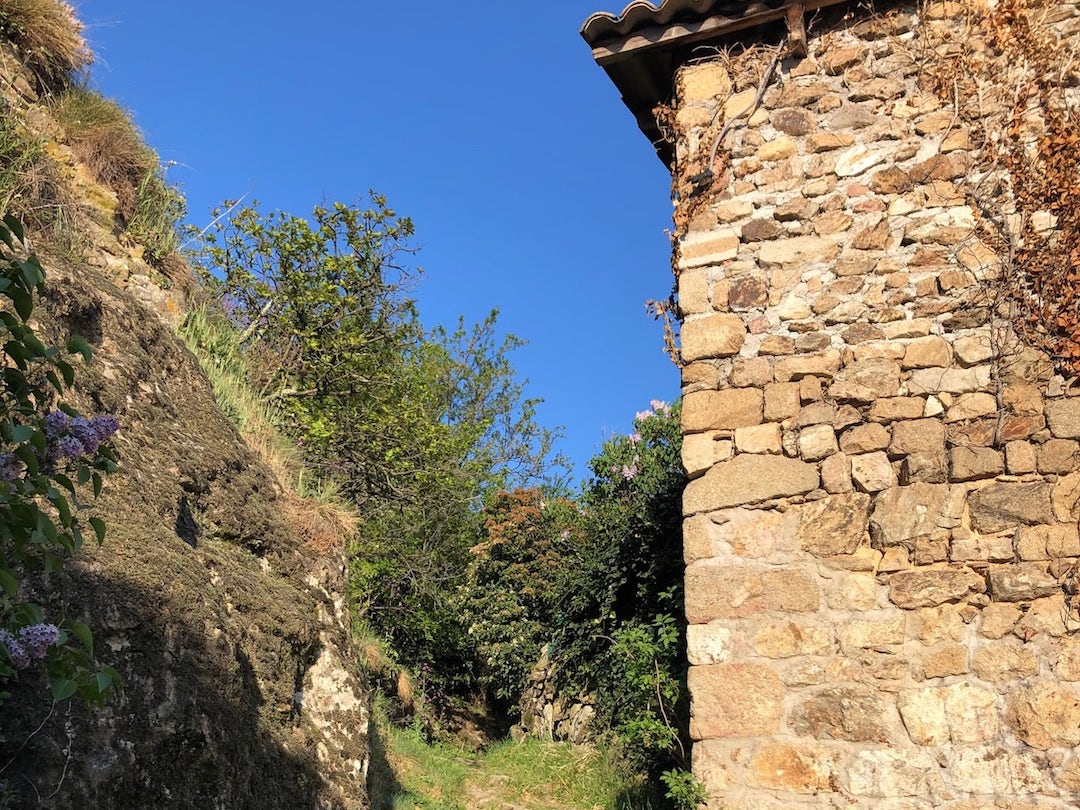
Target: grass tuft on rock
(49, 39)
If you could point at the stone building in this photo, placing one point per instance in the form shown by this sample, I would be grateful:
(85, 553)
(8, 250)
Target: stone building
(875, 282)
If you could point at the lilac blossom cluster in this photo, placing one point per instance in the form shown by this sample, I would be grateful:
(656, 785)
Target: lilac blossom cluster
(69, 437)
(31, 644)
(659, 407)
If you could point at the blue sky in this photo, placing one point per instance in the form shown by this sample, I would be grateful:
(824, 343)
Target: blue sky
(530, 187)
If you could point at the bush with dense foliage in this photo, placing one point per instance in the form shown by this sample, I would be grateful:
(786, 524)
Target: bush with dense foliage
(52, 459)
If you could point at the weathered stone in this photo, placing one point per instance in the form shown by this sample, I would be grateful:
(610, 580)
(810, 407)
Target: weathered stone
(861, 333)
(944, 660)
(785, 639)
(951, 380)
(817, 442)
(1045, 715)
(825, 364)
(708, 643)
(781, 400)
(750, 372)
(749, 479)
(967, 546)
(800, 768)
(880, 773)
(894, 408)
(1001, 506)
(917, 436)
(866, 381)
(776, 345)
(874, 237)
(891, 181)
(836, 474)
(886, 631)
(1023, 400)
(997, 771)
(928, 468)
(958, 714)
(1063, 417)
(761, 229)
(721, 410)
(793, 121)
(971, 350)
(1021, 582)
(865, 438)
(1048, 542)
(1061, 456)
(971, 406)
(1066, 497)
(715, 248)
(998, 619)
(929, 587)
(857, 160)
(701, 450)
(715, 591)
(777, 149)
(903, 513)
(927, 352)
(717, 335)
(759, 439)
(816, 413)
(828, 141)
(856, 714)
(872, 472)
(971, 463)
(734, 700)
(705, 82)
(833, 525)
(1005, 662)
(798, 249)
(1043, 617)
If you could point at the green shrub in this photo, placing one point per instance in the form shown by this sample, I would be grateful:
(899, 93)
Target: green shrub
(51, 457)
(49, 38)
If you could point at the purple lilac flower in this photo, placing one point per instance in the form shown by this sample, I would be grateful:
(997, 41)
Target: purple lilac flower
(66, 447)
(10, 467)
(629, 473)
(659, 406)
(643, 415)
(37, 638)
(56, 422)
(18, 655)
(635, 438)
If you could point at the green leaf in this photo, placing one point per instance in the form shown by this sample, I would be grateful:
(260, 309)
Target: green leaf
(67, 372)
(15, 227)
(79, 345)
(23, 301)
(99, 528)
(8, 582)
(104, 681)
(96, 478)
(21, 433)
(62, 689)
(83, 634)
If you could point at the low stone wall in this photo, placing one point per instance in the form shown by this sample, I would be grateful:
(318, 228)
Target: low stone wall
(548, 715)
(881, 530)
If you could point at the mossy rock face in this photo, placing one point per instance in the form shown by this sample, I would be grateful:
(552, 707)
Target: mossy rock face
(198, 597)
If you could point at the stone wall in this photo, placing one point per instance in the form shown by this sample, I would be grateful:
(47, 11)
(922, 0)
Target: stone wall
(881, 530)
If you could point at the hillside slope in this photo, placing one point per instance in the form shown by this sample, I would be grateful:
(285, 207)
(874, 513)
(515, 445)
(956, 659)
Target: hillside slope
(239, 686)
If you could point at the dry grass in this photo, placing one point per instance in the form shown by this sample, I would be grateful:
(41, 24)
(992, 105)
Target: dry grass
(105, 140)
(49, 38)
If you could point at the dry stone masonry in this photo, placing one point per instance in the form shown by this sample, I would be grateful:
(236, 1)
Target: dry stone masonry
(883, 562)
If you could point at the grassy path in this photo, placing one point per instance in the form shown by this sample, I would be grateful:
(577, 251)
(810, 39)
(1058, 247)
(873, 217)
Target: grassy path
(409, 774)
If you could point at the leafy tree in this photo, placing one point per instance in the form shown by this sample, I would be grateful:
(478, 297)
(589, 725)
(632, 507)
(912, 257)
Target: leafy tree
(417, 426)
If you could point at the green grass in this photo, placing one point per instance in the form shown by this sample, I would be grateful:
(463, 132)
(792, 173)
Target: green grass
(49, 39)
(408, 773)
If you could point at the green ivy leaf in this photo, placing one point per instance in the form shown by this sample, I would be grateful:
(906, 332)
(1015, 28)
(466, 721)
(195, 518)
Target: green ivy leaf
(62, 689)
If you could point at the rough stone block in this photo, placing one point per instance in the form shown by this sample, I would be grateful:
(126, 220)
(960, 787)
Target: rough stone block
(715, 591)
(759, 439)
(1022, 582)
(995, 770)
(705, 82)
(1004, 662)
(1063, 417)
(836, 474)
(894, 409)
(971, 463)
(927, 352)
(884, 773)
(935, 586)
(866, 381)
(957, 714)
(791, 369)
(972, 406)
(1001, 506)
(1020, 457)
(781, 401)
(852, 713)
(929, 468)
(805, 768)
(917, 436)
(817, 442)
(799, 250)
(701, 450)
(833, 525)
(785, 639)
(1060, 456)
(721, 410)
(734, 700)
(714, 248)
(944, 660)
(718, 335)
(708, 643)
(949, 380)
(865, 439)
(749, 479)
(1045, 715)
(998, 619)
(887, 630)
(968, 546)
(872, 472)
(902, 514)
